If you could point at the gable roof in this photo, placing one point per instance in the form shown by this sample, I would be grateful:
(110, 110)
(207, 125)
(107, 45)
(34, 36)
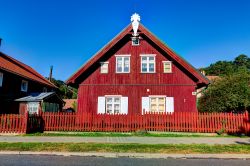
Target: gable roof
(202, 80)
(14, 66)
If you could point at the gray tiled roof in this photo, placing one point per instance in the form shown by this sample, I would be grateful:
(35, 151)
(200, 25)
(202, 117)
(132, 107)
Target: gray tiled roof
(36, 96)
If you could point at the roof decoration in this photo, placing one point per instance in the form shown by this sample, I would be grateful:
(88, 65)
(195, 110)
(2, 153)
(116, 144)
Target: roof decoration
(135, 18)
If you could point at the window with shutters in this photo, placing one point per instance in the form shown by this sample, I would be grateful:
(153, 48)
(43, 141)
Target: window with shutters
(104, 67)
(113, 104)
(122, 64)
(157, 104)
(148, 63)
(167, 66)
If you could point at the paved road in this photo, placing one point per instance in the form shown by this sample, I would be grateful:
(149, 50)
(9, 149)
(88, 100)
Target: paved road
(35, 160)
(140, 140)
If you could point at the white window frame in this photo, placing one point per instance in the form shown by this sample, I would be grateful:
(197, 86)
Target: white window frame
(157, 105)
(26, 87)
(148, 56)
(135, 38)
(170, 64)
(31, 106)
(123, 66)
(103, 68)
(1, 79)
(113, 103)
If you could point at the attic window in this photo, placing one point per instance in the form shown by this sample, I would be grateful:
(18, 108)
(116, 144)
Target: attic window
(167, 66)
(24, 86)
(104, 67)
(135, 41)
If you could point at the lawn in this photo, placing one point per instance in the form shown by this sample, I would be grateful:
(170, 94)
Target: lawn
(128, 148)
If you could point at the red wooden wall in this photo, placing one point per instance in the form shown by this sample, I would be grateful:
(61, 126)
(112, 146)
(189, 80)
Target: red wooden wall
(178, 84)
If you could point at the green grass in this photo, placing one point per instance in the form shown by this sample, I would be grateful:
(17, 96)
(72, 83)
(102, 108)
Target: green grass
(128, 148)
(119, 134)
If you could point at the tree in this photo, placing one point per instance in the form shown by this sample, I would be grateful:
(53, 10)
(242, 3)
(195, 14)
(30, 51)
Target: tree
(228, 67)
(64, 91)
(220, 68)
(231, 93)
(242, 61)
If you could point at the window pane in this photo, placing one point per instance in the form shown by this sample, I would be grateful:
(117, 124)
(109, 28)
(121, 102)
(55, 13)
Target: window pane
(144, 67)
(117, 99)
(153, 100)
(151, 67)
(161, 100)
(151, 59)
(119, 64)
(117, 108)
(144, 59)
(126, 64)
(109, 100)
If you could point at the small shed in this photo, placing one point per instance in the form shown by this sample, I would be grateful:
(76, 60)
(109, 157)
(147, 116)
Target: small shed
(37, 102)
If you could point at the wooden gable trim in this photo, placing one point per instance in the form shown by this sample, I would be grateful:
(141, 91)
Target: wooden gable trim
(201, 79)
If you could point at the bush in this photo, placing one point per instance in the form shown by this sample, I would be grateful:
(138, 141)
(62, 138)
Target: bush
(230, 93)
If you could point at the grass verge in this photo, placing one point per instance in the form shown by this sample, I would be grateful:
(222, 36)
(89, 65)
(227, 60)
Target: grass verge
(128, 148)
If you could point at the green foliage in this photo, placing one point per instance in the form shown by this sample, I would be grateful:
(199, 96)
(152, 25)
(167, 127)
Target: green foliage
(64, 91)
(230, 93)
(228, 67)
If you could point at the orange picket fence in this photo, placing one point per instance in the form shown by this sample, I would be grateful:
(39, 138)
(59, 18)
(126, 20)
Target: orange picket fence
(175, 122)
(13, 123)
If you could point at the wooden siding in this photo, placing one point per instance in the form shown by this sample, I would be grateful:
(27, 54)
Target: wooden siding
(178, 84)
(178, 76)
(183, 98)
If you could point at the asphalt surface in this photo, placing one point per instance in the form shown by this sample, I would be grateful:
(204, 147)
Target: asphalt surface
(48, 160)
(139, 140)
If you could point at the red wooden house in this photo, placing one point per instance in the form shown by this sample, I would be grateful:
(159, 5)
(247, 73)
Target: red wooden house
(136, 73)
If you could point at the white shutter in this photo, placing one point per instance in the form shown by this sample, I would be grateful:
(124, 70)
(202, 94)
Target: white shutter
(101, 105)
(124, 105)
(145, 104)
(170, 104)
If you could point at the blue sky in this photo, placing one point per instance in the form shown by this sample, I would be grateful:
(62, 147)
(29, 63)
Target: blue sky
(65, 33)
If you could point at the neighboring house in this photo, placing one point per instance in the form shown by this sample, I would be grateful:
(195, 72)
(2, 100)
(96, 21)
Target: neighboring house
(70, 105)
(136, 73)
(18, 80)
(40, 102)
